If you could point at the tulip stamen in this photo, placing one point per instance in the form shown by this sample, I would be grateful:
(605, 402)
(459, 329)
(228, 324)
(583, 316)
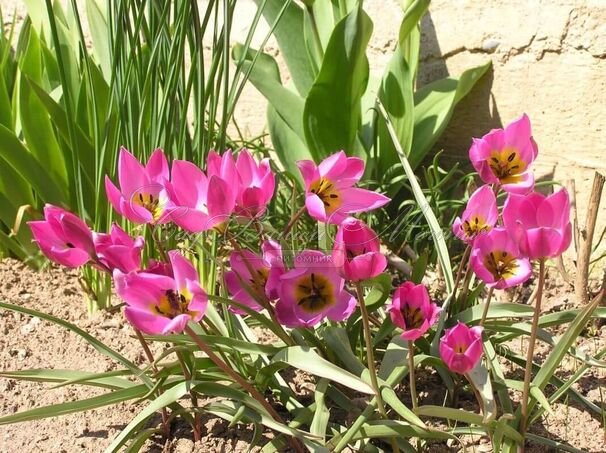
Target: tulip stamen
(413, 317)
(314, 292)
(474, 226)
(150, 202)
(507, 165)
(501, 264)
(328, 193)
(173, 304)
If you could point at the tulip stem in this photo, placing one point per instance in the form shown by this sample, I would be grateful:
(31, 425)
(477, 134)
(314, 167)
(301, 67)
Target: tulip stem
(237, 378)
(531, 344)
(152, 362)
(293, 220)
(371, 359)
(486, 305)
(411, 375)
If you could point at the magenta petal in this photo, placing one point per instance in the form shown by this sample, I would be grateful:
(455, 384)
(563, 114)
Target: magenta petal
(333, 165)
(315, 207)
(157, 167)
(183, 270)
(131, 174)
(361, 200)
(113, 194)
(176, 325)
(146, 321)
(345, 306)
(522, 187)
(309, 171)
(189, 184)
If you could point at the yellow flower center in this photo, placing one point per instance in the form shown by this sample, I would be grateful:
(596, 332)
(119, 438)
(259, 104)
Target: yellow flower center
(328, 193)
(258, 283)
(474, 226)
(149, 202)
(413, 317)
(173, 304)
(460, 348)
(314, 293)
(507, 165)
(501, 264)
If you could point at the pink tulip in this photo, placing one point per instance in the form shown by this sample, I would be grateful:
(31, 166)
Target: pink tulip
(63, 237)
(540, 225)
(330, 194)
(480, 215)
(117, 250)
(461, 347)
(356, 252)
(412, 310)
(200, 202)
(142, 196)
(158, 304)
(257, 184)
(312, 291)
(503, 156)
(240, 283)
(496, 260)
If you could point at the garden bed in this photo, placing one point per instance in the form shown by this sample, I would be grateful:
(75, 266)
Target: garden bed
(27, 343)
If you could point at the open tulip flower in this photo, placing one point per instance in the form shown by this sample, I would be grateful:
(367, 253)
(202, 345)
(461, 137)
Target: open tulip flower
(240, 283)
(158, 304)
(356, 252)
(503, 156)
(200, 202)
(461, 347)
(412, 311)
(480, 215)
(256, 186)
(63, 237)
(330, 194)
(496, 260)
(539, 224)
(312, 291)
(142, 195)
(117, 250)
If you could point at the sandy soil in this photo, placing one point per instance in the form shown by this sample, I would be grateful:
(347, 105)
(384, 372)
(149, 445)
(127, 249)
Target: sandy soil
(27, 343)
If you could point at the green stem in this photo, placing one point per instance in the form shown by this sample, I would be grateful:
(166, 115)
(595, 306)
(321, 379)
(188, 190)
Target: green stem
(486, 305)
(411, 375)
(530, 353)
(371, 359)
(293, 220)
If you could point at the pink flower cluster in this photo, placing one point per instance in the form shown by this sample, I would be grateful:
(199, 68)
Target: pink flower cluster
(529, 226)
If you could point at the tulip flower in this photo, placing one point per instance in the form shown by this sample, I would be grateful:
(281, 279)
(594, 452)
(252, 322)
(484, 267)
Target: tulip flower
(539, 224)
(461, 347)
(142, 195)
(356, 252)
(330, 194)
(412, 310)
(256, 185)
(240, 283)
(117, 250)
(480, 215)
(63, 237)
(312, 291)
(496, 260)
(503, 156)
(158, 304)
(199, 202)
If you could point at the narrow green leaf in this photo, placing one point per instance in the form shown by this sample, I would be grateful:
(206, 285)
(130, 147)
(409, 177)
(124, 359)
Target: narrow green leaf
(74, 376)
(308, 360)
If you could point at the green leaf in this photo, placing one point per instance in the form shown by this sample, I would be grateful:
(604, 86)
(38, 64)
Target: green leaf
(450, 413)
(553, 444)
(74, 376)
(496, 310)
(14, 154)
(307, 360)
(100, 34)
(434, 105)
(380, 290)
(395, 428)
(287, 144)
(480, 380)
(289, 34)
(321, 414)
(56, 410)
(95, 343)
(265, 76)
(332, 112)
